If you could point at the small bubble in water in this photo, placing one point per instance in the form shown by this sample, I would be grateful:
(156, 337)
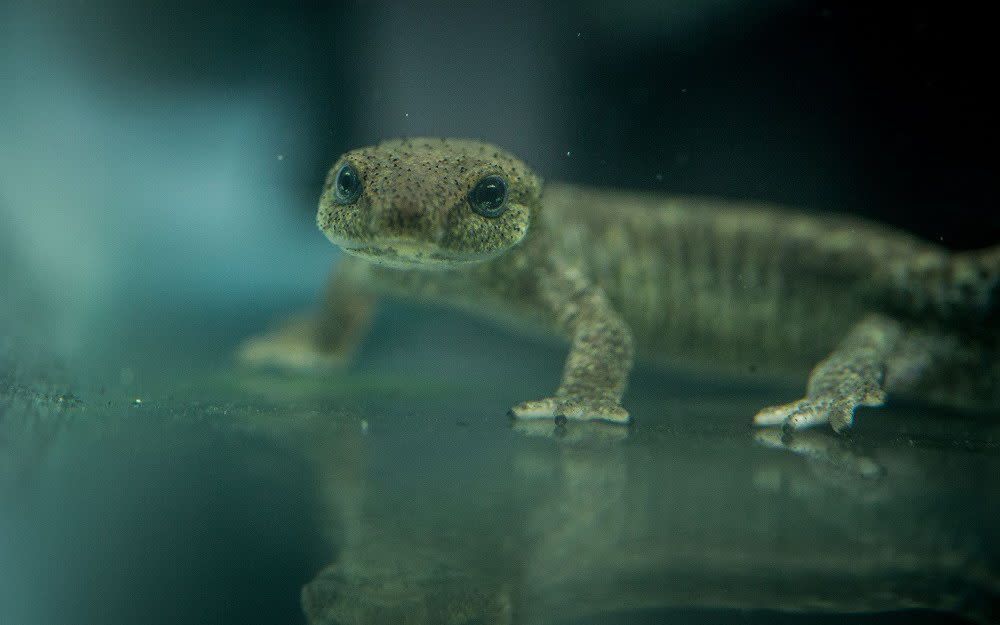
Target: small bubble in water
(567, 152)
(281, 157)
(406, 114)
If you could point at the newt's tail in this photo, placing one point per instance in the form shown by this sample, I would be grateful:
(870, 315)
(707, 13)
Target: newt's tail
(976, 281)
(962, 286)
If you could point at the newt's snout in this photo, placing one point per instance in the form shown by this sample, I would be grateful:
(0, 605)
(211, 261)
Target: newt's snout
(406, 206)
(403, 215)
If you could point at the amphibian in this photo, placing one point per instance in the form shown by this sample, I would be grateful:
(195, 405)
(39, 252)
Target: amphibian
(724, 286)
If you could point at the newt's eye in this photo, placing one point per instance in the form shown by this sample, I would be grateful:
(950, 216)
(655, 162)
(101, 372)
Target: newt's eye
(347, 187)
(489, 196)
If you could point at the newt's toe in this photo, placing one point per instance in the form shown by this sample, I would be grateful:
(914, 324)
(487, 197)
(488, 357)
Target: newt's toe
(535, 409)
(806, 413)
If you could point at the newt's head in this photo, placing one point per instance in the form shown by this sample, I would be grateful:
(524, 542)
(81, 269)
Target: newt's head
(429, 203)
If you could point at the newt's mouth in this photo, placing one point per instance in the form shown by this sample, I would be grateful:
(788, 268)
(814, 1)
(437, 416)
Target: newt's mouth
(406, 255)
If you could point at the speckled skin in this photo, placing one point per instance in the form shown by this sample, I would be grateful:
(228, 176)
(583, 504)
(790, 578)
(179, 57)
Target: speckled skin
(726, 287)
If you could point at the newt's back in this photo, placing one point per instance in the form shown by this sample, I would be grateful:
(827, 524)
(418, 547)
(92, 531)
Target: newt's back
(735, 286)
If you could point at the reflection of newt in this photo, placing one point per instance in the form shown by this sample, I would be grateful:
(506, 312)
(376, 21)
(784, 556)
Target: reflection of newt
(711, 284)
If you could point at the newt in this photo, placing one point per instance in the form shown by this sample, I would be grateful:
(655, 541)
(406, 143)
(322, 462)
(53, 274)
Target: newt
(716, 285)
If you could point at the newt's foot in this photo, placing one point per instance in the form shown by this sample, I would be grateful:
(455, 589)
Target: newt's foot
(806, 413)
(851, 376)
(294, 345)
(836, 410)
(571, 408)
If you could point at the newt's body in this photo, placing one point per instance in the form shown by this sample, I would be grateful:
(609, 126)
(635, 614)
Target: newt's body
(720, 286)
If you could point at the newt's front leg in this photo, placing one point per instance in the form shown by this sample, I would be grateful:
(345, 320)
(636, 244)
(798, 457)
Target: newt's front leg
(853, 375)
(600, 356)
(317, 340)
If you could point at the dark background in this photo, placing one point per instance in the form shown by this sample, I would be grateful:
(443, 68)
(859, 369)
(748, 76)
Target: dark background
(882, 110)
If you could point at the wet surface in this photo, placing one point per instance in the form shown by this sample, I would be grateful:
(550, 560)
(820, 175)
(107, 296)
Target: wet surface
(167, 485)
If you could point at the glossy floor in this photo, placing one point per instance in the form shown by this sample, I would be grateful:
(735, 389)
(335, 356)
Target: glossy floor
(167, 485)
